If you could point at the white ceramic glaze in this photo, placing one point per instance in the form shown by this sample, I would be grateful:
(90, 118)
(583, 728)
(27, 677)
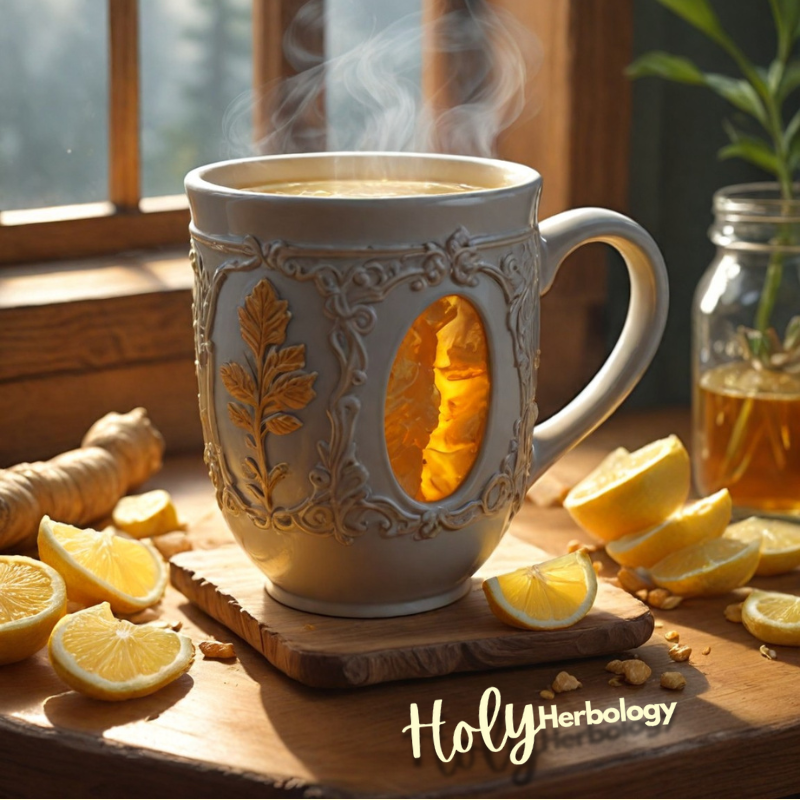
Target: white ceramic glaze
(328, 287)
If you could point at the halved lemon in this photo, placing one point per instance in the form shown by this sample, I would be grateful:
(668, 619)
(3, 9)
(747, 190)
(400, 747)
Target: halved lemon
(148, 514)
(713, 567)
(632, 492)
(33, 598)
(113, 659)
(547, 596)
(701, 520)
(773, 617)
(99, 565)
(780, 543)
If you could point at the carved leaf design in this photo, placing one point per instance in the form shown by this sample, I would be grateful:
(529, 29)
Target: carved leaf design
(240, 416)
(288, 359)
(293, 390)
(263, 319)
(291, 358)
(238, 383)
(281, 424)
(270, 386)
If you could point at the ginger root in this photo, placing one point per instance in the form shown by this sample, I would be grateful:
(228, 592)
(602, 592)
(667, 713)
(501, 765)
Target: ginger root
(119, 452)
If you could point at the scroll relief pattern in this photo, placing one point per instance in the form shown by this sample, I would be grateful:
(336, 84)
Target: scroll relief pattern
(341, 503)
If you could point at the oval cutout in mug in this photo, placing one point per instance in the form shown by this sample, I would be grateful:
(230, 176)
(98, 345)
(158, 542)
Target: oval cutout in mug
(437, 400)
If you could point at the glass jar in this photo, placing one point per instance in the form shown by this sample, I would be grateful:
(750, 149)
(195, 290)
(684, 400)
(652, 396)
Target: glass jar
(746, 359)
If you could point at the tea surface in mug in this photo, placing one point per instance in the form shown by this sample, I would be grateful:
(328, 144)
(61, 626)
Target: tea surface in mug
(363, 188)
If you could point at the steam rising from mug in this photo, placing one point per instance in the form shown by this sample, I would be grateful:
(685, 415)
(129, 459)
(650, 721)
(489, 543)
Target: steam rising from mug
(474, 83)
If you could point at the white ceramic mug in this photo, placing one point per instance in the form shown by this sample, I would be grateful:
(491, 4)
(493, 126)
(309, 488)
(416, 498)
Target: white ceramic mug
(301, 304)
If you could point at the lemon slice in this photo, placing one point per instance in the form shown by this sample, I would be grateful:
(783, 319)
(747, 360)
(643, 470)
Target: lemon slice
(148, 514)
(632, 492)
(113, 659)
(33, 598)
(99, 565)
(547, 596)
(773, 617)
(780, 543)
(701, 520)
(713, 567)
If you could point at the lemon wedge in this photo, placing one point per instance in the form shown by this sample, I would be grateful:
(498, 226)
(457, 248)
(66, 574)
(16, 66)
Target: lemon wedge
(148, 514)
(773, 617)
(99, 565)
(33, 598)
(632, 492)
(713, 567)
(780, 543)
(112, 659)
(547, 596)
(701, 520)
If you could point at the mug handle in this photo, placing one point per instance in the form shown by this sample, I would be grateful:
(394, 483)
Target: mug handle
(637, 344)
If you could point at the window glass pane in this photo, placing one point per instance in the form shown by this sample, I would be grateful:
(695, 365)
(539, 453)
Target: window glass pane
(373, 76)
(195, 60)
(53, 102)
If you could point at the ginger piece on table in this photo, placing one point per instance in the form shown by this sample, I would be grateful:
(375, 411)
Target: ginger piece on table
(548, 492)
(170, 544)
(119, 452)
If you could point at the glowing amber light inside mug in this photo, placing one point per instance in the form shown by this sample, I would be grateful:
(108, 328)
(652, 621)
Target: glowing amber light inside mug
(437, 400)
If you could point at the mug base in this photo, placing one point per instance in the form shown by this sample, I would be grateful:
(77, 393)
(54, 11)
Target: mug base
(367, 610)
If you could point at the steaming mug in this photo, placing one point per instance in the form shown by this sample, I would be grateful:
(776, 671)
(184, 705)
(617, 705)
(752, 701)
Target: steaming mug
(361, 482)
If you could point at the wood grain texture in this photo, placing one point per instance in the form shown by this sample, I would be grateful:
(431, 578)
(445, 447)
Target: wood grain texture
(92, 236)
(578, 141)
(45, 415)
(95, 334)
(123, 104)
(272, 106)
(462, 637)
(246, 726)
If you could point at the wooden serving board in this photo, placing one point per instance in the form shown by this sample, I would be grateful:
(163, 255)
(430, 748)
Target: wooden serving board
(462, 637)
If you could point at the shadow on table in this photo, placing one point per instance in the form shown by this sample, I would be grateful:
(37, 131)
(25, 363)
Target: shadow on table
(352, 740)
(33, 681)
(72, 711)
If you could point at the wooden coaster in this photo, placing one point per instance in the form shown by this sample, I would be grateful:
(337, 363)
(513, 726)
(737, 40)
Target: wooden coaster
(462, 637)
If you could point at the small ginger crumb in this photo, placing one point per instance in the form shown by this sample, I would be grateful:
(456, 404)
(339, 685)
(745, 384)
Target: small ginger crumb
(636, 672)
(642, 595)
(680, 652)
(565, 682)
(548, 492)
(615, 666)
(733, 612)
(767, 652)
(673, 680)
(597, 566)
(617, 680)
(573, 545)
(170, 544)
(672, 636)
(546, 694)
(658, 625)
(309, 627)
(632, 582)
(661, 598)
(217, 649)
(706, 650)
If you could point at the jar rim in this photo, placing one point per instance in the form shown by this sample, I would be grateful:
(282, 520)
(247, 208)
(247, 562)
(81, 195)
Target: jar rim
(760, 202)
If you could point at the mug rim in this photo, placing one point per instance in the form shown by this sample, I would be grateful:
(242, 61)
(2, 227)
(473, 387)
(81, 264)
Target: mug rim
(200, 179)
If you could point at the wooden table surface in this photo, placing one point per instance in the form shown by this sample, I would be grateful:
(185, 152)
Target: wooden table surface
(242, 728)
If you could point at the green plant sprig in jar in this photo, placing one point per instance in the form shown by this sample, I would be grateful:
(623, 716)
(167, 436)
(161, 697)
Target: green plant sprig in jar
(770, 142)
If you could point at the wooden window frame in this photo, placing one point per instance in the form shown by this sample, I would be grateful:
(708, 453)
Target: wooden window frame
(126, 220)
(80, 337)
